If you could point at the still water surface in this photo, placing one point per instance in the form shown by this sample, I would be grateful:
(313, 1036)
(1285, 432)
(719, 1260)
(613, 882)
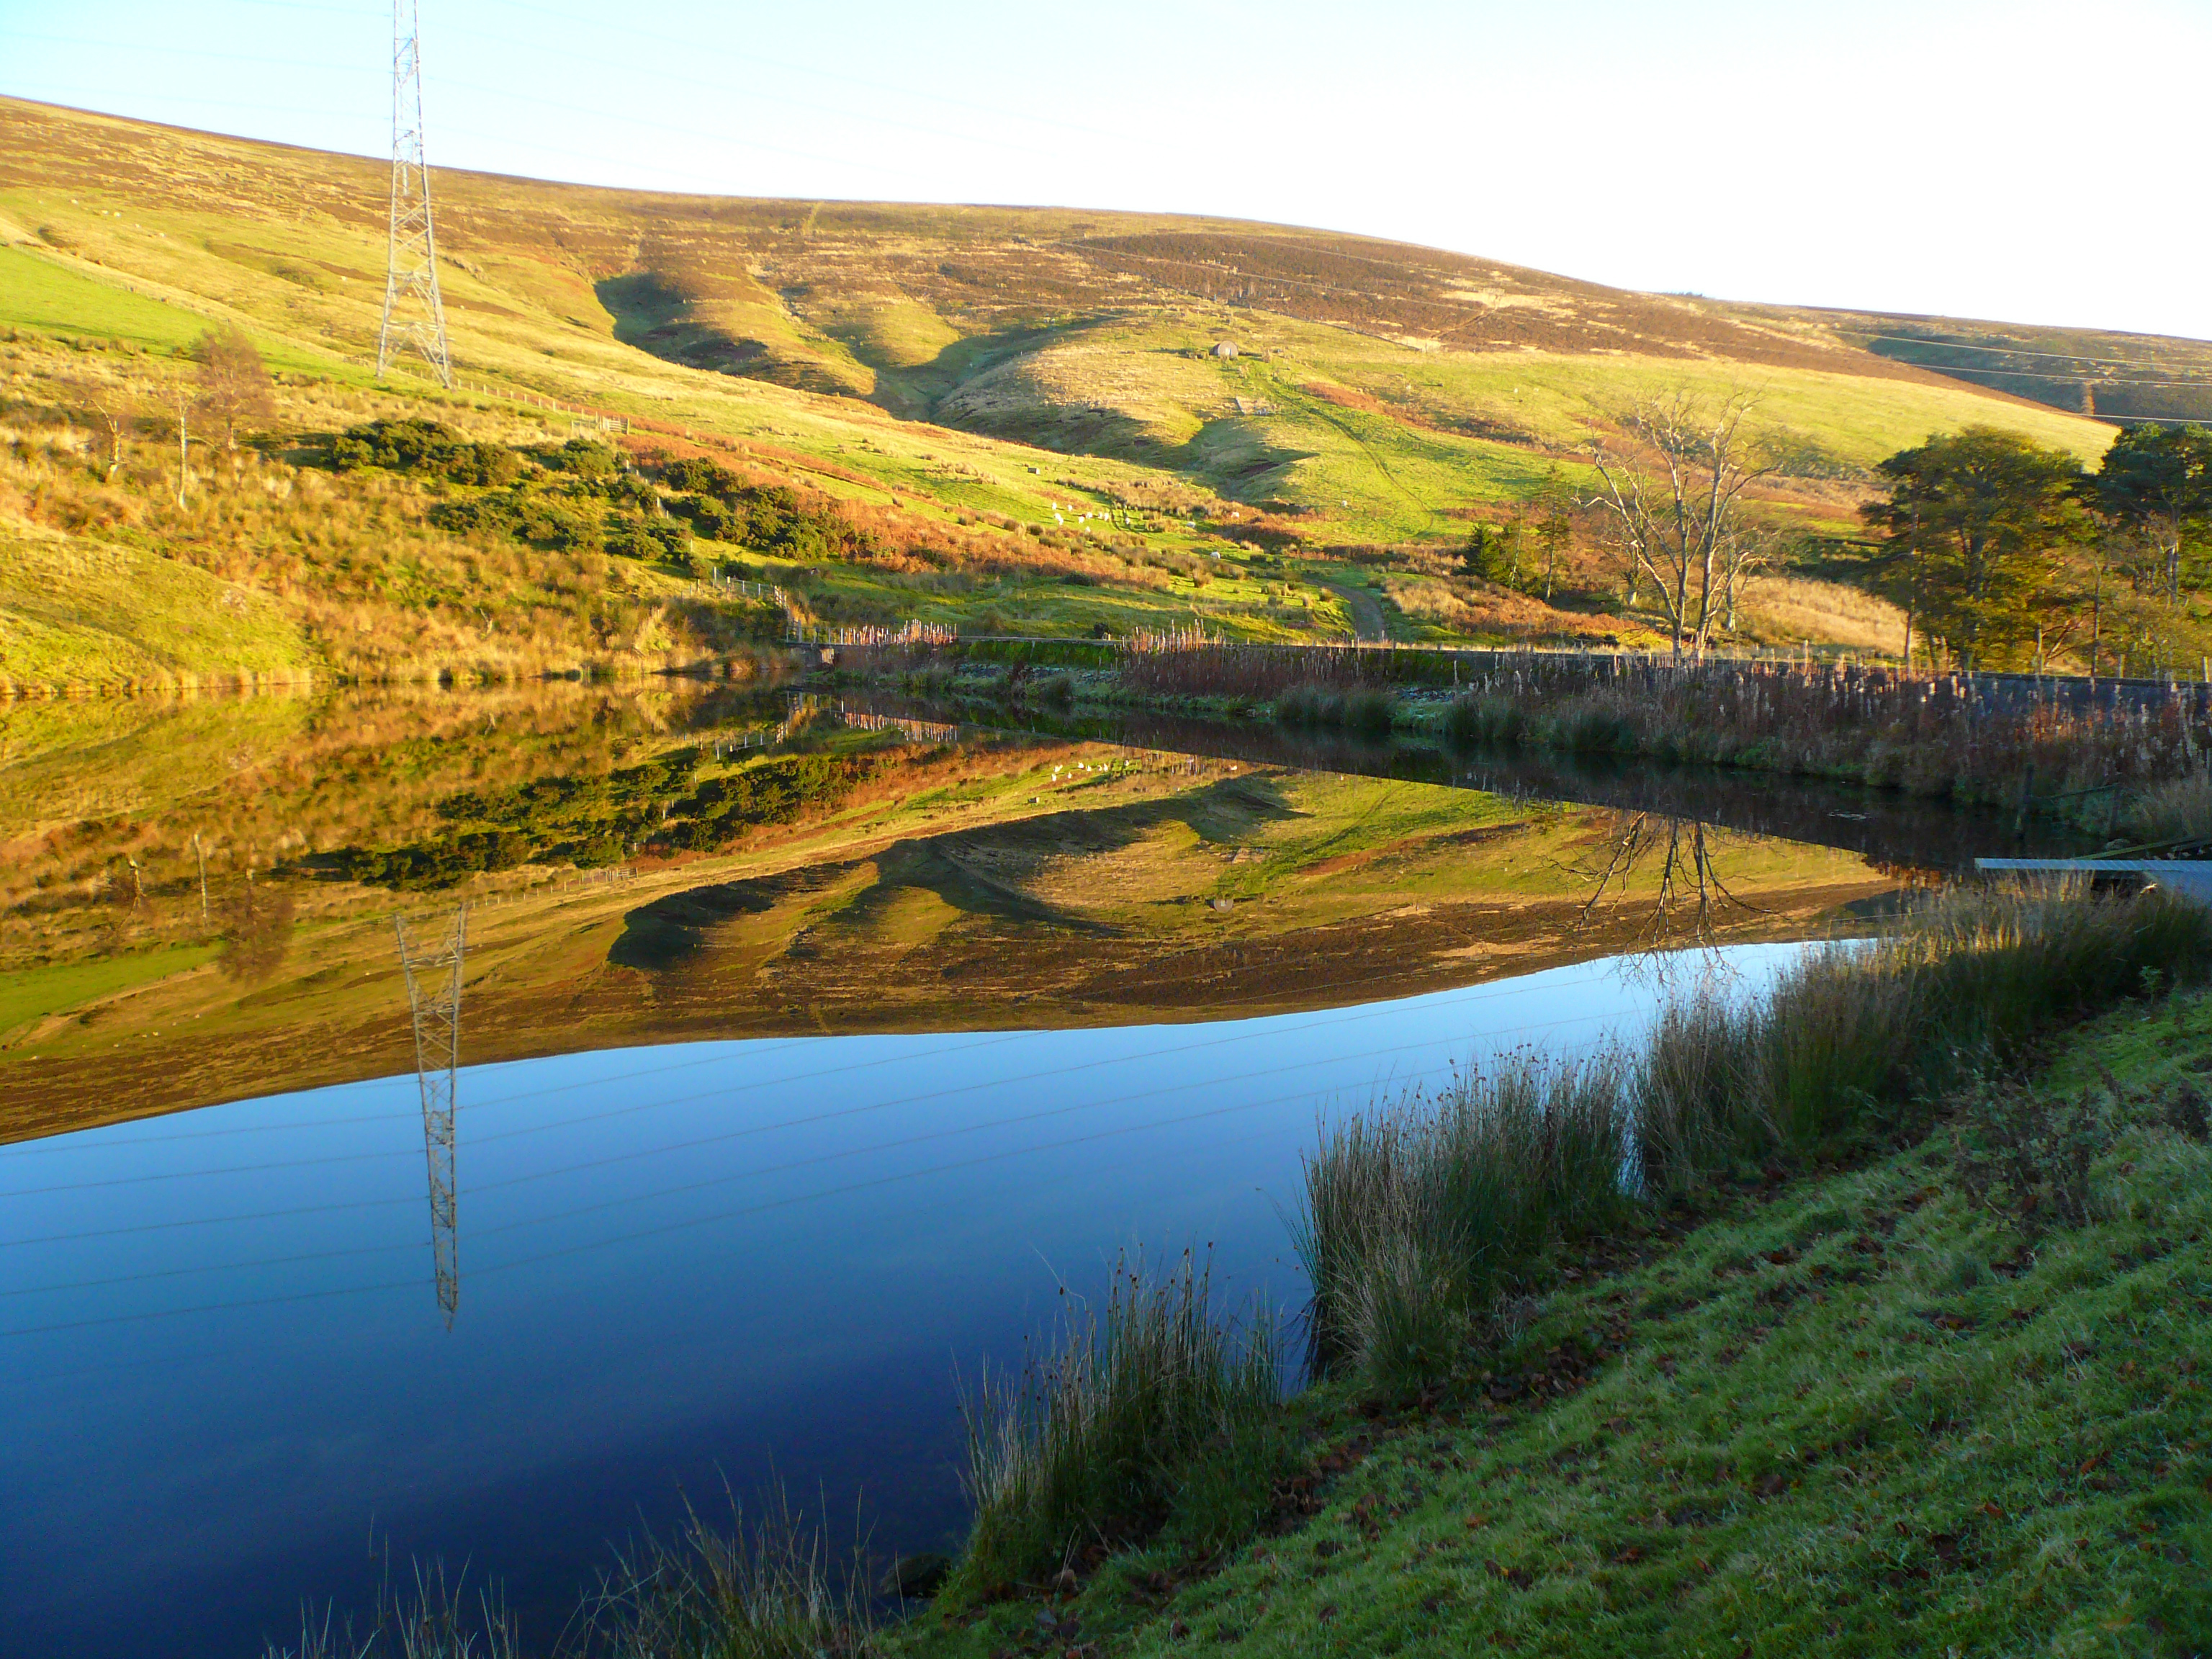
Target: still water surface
(229, 1376)
(1071, 999)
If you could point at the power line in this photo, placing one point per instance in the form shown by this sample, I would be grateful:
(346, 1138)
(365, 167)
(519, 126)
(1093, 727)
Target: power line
(1252, 1031)
(2106, 384)
(478, 1106)
(670, 126)
(178, 52)
(840, 1155)
(754, 1209)
(693, 47)
(561, 106)
(177, 97)
(754, 96)
(728, 1178)
(215, 1220)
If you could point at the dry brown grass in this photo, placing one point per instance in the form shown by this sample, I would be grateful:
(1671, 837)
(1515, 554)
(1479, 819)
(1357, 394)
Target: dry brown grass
(1787, 609)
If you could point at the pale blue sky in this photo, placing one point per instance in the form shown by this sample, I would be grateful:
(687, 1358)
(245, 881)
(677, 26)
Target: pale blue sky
(2028, 160)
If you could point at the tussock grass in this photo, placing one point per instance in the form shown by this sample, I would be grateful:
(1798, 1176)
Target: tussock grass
(1788, 609)
(772, 1589)
(2180, 809)
(1151, 1399)
(1862, 1414)
(1417, 1217)
(1362, 708)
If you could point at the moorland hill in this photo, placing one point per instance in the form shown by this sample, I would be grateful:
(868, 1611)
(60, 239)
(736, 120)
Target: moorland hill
(1023, 378)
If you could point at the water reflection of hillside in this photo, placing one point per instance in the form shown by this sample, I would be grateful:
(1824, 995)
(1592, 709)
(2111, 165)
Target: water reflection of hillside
(765, 866)
(1904, 831)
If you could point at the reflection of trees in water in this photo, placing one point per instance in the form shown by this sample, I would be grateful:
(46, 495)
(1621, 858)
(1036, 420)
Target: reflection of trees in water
(256, 930)
(1690, 899)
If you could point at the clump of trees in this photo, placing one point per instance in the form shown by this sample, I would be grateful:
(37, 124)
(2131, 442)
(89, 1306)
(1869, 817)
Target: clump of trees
(2001, 551)
(577, 496)
(720, 504)
(1522, 550)
(2004, 550)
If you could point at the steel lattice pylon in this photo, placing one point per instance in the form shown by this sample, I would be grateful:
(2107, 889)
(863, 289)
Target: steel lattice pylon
(434, 996)
(413, 312)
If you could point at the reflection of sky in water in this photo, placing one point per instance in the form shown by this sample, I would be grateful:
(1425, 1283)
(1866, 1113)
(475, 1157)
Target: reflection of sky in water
(678, 1264)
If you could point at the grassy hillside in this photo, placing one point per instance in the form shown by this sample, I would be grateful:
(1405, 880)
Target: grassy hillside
(87, 614)
(986, 378)
(2118, 377)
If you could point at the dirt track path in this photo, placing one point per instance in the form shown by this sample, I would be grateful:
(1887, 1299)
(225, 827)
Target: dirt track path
(1365, 611)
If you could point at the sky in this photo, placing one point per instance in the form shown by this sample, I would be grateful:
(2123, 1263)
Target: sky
(2024, 162)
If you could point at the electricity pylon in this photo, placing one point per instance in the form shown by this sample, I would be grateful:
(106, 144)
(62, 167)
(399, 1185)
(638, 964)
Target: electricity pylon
(433, 996)
(414, 312)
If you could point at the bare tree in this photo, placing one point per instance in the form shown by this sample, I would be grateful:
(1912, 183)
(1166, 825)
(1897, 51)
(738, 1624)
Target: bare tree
(233, 382)
(114, 408)
(1684, 530)
(1689, 896)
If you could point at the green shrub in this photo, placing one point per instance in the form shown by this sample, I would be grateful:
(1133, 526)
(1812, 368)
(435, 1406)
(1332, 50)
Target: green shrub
(1369, 710)
(1591, 726)
(1310, 705)
(702, 477)
(647, 538)
(1473, 719)
(2018, 1150)
(581, 457)
(493, 515)
(426, 448)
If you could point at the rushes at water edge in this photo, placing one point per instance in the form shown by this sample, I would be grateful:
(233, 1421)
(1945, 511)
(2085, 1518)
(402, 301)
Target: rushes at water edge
(1153, 1400)
(1417, 1219)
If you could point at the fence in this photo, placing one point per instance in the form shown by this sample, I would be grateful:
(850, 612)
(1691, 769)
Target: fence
(922, 731)
(913, 633)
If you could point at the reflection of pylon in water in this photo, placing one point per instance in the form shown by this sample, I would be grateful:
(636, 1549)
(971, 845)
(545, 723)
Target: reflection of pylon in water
(434, 995)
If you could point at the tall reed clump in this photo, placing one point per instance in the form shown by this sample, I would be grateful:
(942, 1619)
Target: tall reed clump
(1151, 1400)
(1976, 738)
(1415, 1216)
(2180, 809)
(1364, 708)
(1192, 666)
(774, 1588)
(1874, 1030)
(1417, 1219)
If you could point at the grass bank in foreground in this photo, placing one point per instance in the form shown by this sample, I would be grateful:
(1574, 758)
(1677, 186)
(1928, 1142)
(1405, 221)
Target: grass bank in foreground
(1855, 1365)
(1857, 1412)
